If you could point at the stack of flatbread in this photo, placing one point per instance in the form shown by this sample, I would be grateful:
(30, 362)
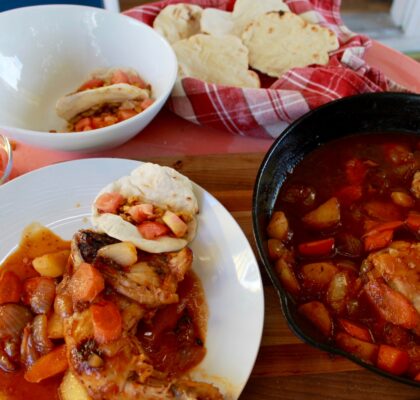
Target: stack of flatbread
(220, 47)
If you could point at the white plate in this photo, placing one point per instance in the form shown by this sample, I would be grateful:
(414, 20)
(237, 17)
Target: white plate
(59, 197)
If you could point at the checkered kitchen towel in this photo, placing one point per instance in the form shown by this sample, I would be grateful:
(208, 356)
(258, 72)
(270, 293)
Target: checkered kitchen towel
(267, 111)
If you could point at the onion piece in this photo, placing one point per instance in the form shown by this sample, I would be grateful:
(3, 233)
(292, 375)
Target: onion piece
(13, 318)
(40, 335)
(28, 353)
(5, 363)
(39, 293)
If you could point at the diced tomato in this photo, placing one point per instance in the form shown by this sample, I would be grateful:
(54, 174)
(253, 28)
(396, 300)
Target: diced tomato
(356, 330)
(119, 76)
(107, 321)
(10, 288)
(86, 283)
(146, 103)
(134, 79)
(91, 84)
(378, 240)
(349, 194)
(51, 364)
(141, 212)
(317, 248)
(355, 171)
(384, 227)
(151, 230)
(109, 202)
(413, 221)
(110, 119)
(391, 305)
(392, 360)
(84, 124)
(126, 114)
(98, 122)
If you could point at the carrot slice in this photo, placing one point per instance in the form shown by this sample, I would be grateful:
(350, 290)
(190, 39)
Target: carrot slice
(378, 240)
(391, 305)
(151, 230)
(107, 321)
(392, 360)
(86, 283)
(49, 365)
(413, 221)
(317, 248)
(384, 227)
(10, 288)
(364, 350)
(356, 330)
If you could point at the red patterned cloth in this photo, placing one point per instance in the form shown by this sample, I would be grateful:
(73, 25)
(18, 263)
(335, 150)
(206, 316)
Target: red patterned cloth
(267, 111)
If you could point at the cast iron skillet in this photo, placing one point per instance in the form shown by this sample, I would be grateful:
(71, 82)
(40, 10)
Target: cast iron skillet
(363, 114)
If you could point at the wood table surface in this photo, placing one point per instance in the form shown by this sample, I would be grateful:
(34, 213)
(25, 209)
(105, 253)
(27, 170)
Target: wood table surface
(285, 368)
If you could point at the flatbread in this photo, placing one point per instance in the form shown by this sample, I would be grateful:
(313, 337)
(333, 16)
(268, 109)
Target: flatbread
(161, 186)
(215, 59)
(245, 11)
(217, 22)
(279, 41)
(179, 21)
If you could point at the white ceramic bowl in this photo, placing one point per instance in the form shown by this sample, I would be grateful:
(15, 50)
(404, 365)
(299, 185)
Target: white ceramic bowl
(48, 51)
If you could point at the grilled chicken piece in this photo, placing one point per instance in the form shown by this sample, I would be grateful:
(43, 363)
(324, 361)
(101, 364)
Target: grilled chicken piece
(399, 266)
(151, 282)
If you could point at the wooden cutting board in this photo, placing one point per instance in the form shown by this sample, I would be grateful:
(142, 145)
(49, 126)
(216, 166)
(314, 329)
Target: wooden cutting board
(285, 368)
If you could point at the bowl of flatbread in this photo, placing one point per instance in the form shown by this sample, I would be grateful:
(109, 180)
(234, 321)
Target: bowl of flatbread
(80, 78)
(237, 60)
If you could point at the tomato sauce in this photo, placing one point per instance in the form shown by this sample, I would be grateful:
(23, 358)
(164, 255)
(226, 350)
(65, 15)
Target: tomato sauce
(174, 337)
(36, 241)
(370, 178)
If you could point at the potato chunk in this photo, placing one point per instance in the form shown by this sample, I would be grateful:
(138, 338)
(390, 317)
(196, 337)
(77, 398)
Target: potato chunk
(319, 274)
(287, 276)
(317, 313)
(52, 264)
(123, 253)
(278, 228)
(72, 389)
(325, 216)
(55, 327)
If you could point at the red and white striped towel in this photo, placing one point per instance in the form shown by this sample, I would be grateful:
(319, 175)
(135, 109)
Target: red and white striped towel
(267, 111)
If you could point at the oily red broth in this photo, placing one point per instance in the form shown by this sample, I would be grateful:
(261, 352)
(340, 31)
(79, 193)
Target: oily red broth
(371, 178)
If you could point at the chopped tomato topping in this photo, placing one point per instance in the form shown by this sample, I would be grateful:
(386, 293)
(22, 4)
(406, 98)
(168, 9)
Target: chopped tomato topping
(119, 76)
(152, 230)
(107, 321)
(126, 114)
(141, 212)
(84, 124)
(317, 248)
(146, 103)
(109, 202)
(91, 84)
(137, 81)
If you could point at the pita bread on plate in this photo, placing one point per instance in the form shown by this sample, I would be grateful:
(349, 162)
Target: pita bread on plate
(161, 186)
(215, 59)
(179, 21)
(279, 41)
(245, 11)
